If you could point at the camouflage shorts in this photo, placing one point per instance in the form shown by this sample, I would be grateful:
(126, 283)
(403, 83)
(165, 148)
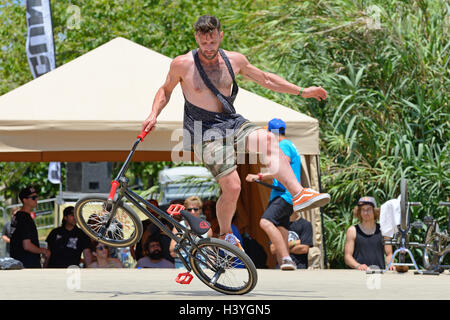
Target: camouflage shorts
(222, 155)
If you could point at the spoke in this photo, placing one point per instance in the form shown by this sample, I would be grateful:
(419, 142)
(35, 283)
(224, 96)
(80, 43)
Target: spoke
(121, 228)
(227, 271)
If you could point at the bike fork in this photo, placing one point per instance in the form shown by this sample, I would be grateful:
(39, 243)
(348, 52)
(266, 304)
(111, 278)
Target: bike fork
(111, 206)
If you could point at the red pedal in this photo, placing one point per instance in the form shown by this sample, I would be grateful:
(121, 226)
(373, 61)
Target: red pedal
(184, 278)
(175, 209)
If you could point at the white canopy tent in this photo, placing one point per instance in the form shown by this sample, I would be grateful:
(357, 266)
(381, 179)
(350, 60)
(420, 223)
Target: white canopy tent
(92, 108)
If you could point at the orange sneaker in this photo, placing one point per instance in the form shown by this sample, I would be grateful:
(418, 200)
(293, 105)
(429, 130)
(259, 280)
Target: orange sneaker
(310, 199)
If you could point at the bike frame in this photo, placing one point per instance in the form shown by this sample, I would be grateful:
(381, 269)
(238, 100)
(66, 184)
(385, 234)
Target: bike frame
(184, 235)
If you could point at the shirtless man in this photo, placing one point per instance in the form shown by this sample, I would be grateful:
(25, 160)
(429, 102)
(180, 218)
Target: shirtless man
(206, 76)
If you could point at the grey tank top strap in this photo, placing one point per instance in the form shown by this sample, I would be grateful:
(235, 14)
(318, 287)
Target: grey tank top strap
(227, 102)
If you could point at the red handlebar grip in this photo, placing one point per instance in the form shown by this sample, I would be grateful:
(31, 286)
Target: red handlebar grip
(114, 186)
(143, 134)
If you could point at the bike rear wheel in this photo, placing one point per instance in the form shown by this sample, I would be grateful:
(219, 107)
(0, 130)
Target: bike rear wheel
(432, 248)
(92, 216)
(227, 270)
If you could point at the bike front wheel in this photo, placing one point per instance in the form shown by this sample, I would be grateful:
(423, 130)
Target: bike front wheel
(124, 230)
(223, 266)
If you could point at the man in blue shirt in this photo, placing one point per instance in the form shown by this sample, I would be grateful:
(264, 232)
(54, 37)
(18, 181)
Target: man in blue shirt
(275, 220)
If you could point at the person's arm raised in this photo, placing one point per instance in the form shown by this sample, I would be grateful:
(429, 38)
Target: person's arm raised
(276, 83)
(163, 94)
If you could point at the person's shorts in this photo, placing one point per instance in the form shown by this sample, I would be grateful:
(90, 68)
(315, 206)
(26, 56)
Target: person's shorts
(278, 212)
(222, 155)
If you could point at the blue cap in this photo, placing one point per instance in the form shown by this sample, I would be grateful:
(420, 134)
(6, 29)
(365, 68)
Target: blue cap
(277, 124)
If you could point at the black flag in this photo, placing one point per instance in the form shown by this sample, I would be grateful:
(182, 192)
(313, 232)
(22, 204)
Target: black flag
(39, 46)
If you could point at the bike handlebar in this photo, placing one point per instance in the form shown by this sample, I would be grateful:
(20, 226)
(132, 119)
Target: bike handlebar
(415, 204)
(143, 134)
(269, 185)
(112, 192)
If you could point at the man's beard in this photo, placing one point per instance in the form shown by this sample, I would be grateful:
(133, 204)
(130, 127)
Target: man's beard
(155, 255)
(208, 57)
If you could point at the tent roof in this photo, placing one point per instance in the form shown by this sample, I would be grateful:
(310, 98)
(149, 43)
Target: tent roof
(94, 106)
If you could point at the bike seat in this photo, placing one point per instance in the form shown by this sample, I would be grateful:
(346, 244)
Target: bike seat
(198, 225)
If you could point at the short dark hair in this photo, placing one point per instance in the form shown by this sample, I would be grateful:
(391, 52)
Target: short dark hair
(206, 24)
(68, 210)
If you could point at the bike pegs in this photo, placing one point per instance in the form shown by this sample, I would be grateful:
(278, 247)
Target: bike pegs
(184, 278)
(174, 209)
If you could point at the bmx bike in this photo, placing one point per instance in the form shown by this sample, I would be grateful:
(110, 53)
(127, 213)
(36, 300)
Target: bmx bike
(217, 263)
(437, 243)
(401, 239)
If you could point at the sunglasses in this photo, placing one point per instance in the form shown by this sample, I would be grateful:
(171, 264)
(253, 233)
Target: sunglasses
(100, 248)
(190, 209)
(32, 197)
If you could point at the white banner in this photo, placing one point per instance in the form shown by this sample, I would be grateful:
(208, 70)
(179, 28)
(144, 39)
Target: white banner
(54, 172)
(39, 46)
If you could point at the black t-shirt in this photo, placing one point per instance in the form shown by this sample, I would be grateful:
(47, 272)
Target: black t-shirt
(303, 229)
(66, 246)
(22, 228)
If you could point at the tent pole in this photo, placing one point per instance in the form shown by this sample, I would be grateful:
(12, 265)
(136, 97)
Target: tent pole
(325, 258)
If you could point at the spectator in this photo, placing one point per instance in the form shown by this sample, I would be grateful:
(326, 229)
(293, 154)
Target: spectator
(151, 229)
(68, 242)
(300, 239)
(364, 244)
(6, 233)
(154, 256)
(275, 220)
(95, 222)
(194, 206)
(137, 250)
(24, 244)
(103, 259)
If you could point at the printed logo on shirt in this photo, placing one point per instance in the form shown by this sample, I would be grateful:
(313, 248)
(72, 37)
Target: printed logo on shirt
(72, 243)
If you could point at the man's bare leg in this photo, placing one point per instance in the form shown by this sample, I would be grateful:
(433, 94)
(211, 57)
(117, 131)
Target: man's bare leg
(276, 163)
(277, 237)
(277, 166)
(230, 186)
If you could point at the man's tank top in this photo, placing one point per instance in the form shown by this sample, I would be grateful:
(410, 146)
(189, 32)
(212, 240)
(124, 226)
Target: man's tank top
(223, 123)
(369, 249)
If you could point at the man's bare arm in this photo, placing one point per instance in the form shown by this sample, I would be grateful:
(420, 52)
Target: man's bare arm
(276, 83)
(164, 93)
